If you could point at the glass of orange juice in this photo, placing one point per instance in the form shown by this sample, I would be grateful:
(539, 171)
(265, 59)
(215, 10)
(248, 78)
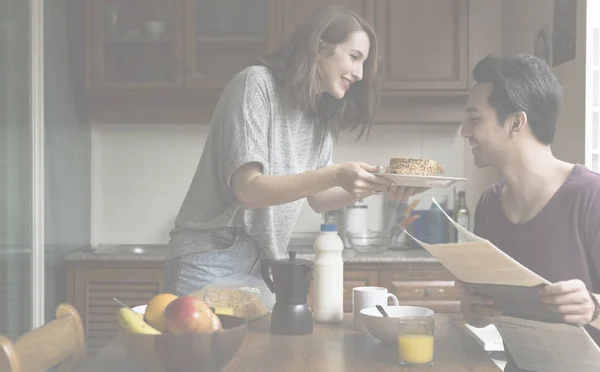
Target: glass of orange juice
(415, 340)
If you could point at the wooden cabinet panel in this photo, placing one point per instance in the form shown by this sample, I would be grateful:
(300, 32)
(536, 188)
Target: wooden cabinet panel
(295, 11)
(135, 44)
(223, 37)
(352, 278)
(423, 49)
(425, 290)
(428, 288)
(357, 278)
(92, 291)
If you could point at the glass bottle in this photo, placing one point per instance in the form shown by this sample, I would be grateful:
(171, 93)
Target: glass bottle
(462, 215)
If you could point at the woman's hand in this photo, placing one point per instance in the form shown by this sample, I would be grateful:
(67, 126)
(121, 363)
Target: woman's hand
(360, 180)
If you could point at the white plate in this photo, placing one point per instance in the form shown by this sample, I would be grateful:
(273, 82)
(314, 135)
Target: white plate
(421, 181)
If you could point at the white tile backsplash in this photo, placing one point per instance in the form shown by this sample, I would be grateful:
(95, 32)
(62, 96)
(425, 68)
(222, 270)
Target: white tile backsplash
(140, 173)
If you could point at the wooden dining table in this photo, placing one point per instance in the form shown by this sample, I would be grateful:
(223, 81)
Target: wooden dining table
(330, 348)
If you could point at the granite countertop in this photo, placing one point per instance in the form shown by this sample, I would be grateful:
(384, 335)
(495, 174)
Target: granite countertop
(158, 253)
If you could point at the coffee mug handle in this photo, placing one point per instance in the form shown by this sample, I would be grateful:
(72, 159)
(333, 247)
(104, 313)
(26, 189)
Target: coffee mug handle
(394, 298)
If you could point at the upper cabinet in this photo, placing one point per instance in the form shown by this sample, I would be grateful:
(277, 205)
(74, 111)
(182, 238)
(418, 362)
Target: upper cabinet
(136, 44)
(168, 60)
(424, 44)
(222, 37)
(158, 45)
(295, 11)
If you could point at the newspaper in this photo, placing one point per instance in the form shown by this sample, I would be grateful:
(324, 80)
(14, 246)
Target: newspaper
(537, 338)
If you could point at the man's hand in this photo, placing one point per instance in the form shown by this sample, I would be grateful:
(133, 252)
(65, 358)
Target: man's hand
(476, 309)
(403, 193)
(570, 298)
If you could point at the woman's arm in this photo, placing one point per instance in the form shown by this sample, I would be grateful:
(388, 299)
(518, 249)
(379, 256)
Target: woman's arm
(331, 199)
(253, 189)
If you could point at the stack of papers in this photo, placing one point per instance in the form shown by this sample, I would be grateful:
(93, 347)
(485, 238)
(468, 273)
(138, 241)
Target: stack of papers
(487, 337)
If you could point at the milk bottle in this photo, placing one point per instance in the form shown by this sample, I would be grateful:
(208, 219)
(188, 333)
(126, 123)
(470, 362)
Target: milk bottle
(328, 276)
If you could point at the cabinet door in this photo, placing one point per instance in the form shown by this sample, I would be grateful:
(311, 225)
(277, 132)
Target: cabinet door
(295, 11)
(424, 44)
(93, 290)
(433, 289)
(223, 37)
(135, 44)
(357, 278)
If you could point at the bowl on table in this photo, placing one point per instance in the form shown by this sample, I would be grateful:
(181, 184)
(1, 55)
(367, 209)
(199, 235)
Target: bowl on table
(385, 329)
(199, 352)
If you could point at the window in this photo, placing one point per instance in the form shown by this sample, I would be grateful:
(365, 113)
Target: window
(592, 88)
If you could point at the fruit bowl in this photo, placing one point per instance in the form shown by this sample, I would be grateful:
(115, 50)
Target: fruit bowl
(198, 352)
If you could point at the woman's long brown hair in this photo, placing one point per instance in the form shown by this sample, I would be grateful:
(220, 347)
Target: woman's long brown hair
(295, 69)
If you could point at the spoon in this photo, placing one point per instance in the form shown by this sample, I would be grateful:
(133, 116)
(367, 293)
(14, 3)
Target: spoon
(382, 311)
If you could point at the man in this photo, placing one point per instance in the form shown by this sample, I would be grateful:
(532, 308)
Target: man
(545, 213)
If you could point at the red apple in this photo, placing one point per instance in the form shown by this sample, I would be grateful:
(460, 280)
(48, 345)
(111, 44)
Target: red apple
(189, 314)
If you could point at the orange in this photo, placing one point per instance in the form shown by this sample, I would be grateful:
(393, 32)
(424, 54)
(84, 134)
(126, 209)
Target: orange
(156, 308)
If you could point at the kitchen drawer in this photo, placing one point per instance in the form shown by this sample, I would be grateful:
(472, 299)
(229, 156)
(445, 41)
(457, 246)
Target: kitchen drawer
(423, 290)
(431, 288)
(414, 272)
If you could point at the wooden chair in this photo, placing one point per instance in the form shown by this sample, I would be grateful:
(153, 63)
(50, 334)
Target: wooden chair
(59, 344)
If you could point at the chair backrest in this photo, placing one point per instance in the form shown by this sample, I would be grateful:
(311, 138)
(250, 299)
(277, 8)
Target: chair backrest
(59, 343)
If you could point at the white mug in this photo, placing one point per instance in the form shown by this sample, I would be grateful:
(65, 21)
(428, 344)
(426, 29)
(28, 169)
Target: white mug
(363, 297)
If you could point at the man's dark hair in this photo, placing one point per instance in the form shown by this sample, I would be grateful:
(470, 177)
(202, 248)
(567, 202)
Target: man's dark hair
(523, 83)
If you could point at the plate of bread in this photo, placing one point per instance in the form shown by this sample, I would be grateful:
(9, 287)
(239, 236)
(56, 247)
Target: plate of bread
(410, 172)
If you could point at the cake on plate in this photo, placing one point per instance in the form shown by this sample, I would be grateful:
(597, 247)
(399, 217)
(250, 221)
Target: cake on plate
(415, 167)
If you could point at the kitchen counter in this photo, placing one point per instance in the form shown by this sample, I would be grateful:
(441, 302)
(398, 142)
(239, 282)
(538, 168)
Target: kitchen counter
(158, 253)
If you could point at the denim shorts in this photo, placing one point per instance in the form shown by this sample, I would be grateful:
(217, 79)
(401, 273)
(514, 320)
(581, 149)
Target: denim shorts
(232, 253)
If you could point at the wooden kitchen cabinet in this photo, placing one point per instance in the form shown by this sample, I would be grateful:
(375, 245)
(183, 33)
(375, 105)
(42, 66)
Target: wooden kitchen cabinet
(167, 61)
(423, 49)
(424, 285)
(223, 37)
(172, 45)
(295, 11)
(357, 278)
(92, 287)
(135, 44)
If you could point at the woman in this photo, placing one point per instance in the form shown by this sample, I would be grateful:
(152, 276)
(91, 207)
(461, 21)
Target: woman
(270, 146)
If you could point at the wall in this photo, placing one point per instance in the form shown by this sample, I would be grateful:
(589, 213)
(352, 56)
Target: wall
(522, 21)
(140, 173)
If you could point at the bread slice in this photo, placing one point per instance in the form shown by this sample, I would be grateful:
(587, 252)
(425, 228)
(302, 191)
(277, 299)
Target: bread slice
(415, 167)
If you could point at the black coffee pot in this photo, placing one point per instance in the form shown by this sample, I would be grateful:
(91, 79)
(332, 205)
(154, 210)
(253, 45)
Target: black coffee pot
(291, 285)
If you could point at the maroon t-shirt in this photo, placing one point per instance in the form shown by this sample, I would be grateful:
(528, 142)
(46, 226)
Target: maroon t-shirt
(561, 243)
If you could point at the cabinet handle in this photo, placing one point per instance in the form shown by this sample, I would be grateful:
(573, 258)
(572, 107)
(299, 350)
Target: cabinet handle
(441, 290)
(427, 292)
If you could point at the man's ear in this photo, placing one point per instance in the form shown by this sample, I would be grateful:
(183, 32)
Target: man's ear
(517, 122)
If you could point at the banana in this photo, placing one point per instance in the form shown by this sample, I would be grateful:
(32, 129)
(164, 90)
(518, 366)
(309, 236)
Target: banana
(134, 322)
